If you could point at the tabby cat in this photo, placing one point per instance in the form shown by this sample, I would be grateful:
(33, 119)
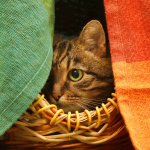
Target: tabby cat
(81, 76)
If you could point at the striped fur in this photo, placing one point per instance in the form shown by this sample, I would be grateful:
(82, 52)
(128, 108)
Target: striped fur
(87, 53)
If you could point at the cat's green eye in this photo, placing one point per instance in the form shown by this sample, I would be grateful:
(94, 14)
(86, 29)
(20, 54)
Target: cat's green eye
(75, 75)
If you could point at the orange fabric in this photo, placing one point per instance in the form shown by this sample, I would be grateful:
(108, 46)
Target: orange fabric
(128, 25)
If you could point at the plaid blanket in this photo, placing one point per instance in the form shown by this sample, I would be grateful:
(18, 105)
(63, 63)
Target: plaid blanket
(129, 35)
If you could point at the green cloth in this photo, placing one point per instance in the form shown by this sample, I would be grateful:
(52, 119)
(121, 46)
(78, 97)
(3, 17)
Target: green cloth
(26, 29)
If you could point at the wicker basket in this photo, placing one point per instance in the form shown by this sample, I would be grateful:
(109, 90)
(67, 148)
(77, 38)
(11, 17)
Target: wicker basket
(48, 127)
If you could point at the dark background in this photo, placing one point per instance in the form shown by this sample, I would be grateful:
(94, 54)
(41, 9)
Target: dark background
(72, 15)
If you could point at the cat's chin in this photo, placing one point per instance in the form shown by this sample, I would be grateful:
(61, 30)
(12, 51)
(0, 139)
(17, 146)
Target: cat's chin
(68, 107)
(64, 104)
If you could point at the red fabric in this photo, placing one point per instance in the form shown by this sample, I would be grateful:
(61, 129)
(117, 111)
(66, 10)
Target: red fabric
(128, 23)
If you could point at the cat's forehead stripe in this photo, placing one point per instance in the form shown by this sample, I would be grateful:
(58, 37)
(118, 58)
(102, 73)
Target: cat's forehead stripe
(64, 49)
(61, 51)
(77, 60)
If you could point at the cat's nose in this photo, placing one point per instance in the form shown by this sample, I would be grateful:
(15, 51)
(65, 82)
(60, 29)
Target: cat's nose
(57, 98)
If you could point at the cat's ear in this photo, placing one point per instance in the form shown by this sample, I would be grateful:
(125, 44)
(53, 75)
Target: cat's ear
(93, 38)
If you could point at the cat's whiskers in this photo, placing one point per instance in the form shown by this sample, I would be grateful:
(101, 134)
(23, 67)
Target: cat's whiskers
(73, 98)
(94, 102)
(82, 106)
(93, 98)
(87, 105)
(71, 107)
(97, 101)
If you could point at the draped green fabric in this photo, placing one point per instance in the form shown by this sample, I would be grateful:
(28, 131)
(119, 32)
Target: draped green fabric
(26, 31)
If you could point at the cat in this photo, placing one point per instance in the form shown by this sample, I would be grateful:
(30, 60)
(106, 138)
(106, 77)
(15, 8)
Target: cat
(81, 76)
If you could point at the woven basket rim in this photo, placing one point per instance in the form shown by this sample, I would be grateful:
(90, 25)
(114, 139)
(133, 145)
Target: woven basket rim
(47, 124)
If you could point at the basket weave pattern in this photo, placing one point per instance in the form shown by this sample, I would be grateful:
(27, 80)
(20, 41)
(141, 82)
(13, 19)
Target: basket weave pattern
(45, 123)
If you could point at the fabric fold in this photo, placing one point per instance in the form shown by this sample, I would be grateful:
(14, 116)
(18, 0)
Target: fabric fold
(128, 25)
(25, 55)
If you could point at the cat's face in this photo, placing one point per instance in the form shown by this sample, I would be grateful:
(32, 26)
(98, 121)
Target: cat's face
(81, 76)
